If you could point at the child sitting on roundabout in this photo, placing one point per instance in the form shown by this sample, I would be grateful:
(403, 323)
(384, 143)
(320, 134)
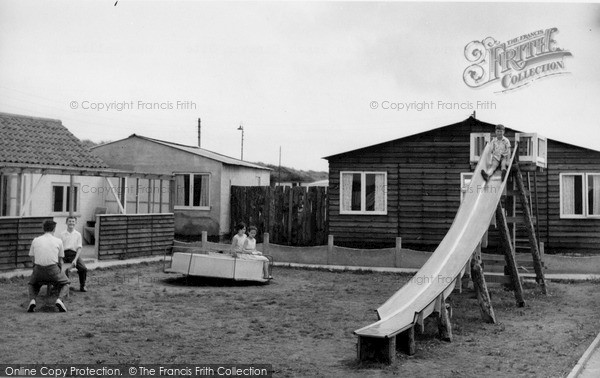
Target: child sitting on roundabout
(244, 247)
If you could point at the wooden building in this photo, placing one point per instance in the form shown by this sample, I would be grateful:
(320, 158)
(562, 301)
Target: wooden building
(411, 187)
(45, 171)
(202, 179)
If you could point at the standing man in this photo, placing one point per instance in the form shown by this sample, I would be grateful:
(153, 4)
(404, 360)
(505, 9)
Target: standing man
(71, 240)
(47, 254)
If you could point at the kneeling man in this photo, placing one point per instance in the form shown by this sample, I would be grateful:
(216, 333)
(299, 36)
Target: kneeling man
(47, 254)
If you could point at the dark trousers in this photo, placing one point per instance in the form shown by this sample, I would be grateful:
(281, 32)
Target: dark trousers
(81, 268)
(51, 274)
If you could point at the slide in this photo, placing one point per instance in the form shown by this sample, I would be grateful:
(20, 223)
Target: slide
(434, 282)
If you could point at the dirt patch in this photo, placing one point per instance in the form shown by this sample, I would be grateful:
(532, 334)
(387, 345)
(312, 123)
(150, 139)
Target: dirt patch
(301, 323)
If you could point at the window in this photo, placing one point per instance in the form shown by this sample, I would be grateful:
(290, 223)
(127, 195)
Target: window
(61, 198)
(593, 191)
(465, 180)
(571, 195)
(5, 195)
(580, 195)
(532, 148)
(542, 152)
(363, 193)
(192, 190)
(478, 142)
(526, 149)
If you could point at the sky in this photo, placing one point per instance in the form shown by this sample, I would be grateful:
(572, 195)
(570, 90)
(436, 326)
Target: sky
(310, 78)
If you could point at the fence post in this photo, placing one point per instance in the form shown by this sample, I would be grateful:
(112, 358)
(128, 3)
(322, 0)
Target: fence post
(19, 190)
(290, 215)
(97, 236)
(398, 253)
(266, 242)
(329, 248)
(204, 241)
(172, 195)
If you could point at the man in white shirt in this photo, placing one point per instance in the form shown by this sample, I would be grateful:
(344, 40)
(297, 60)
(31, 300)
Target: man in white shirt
(71, 239)
(47, 254)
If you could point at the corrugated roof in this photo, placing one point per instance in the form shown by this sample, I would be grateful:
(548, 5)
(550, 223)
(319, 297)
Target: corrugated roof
(42, 141)
(202, 152)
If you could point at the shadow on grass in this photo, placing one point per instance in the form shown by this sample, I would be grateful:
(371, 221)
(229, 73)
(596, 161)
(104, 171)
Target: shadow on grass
(209, 282)
(47, 307)
(370, 368)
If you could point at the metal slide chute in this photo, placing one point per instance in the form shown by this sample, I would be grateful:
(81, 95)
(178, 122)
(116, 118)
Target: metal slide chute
(436, 279)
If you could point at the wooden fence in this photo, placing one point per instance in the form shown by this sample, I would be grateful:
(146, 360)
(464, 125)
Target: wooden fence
(16, 235)
(123, 236)
(292, 216)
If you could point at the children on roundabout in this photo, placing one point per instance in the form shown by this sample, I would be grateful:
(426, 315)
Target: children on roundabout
(244, 247)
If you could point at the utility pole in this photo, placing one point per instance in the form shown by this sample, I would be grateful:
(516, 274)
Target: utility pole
(279, 178)
(241, 128)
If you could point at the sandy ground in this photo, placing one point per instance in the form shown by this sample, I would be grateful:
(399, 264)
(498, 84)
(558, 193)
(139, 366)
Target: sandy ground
(301, 323)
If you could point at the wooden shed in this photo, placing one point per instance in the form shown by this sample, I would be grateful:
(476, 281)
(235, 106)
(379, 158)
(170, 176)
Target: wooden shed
(411, 187)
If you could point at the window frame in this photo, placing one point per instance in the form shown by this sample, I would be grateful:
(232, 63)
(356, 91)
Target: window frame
(363, 194)
(585, 176)
(586, 203)
(65, 207)
(487, 137)
(539, 148)
(191, 191)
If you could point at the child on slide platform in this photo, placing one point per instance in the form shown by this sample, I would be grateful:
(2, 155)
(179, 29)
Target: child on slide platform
(500, 154)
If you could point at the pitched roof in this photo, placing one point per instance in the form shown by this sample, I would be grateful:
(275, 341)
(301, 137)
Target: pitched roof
(440, 128)
(201, 152)
(36, 141)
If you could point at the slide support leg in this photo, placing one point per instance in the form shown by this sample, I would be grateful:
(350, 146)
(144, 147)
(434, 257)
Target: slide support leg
(376, 349)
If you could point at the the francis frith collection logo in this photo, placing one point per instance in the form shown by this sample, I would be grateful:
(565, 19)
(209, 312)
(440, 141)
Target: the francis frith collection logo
(515, 63)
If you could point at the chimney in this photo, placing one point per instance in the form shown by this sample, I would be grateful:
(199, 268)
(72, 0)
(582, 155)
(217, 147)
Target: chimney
(199, 133)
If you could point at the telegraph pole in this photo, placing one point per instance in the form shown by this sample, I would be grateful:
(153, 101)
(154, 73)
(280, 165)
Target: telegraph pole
(241, 128)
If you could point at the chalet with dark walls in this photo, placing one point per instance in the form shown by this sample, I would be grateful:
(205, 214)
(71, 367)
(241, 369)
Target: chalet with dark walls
(411, 187)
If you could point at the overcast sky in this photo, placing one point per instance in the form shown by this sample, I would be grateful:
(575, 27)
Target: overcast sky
(305, 76)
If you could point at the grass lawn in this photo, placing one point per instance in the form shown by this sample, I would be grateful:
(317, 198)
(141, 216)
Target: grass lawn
(301, 323)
